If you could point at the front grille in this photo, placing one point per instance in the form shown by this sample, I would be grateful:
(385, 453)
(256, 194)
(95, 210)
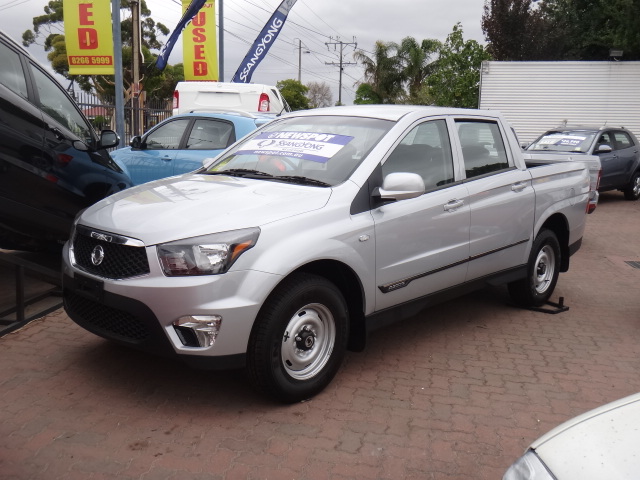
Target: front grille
(120, 261)
(106, 321)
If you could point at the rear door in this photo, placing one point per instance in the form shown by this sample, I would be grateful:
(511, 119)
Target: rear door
(501, 198)
(422, 244)
(610, 161)
(206, 138)
(626, 152)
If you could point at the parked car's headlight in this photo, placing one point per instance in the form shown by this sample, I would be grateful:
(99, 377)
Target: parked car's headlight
(528, 467)
(207, 255)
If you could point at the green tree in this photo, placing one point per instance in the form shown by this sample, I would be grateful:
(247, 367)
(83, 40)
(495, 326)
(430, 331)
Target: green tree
(593, 27)
(294, 93)
(365, 95)
(382, 71)
(455, 81)
(46, 30)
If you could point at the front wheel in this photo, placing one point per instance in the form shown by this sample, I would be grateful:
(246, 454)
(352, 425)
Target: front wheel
(299, 339)
(632, 192)
(543, 269)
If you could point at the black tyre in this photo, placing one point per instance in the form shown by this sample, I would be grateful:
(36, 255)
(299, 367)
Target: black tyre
(299, 340)
(632, 192)
(543, 269)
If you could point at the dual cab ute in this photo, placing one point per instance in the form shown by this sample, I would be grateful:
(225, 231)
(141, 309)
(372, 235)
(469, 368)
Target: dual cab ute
(293, 244)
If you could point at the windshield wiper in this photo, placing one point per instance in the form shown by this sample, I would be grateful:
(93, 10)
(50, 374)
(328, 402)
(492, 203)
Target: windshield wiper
(302, 180)
(242, 172)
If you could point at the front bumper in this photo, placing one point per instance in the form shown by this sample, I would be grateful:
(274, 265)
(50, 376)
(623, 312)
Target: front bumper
(140, 312)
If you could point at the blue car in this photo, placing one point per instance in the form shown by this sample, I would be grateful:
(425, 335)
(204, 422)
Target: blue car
(180, 143)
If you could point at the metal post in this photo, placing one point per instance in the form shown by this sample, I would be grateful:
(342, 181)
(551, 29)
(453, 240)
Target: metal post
(117, 58)
(299, 61)
(221, 43)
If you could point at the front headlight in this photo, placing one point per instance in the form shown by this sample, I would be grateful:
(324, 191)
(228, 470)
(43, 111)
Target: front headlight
(528, 467)
(207, 255)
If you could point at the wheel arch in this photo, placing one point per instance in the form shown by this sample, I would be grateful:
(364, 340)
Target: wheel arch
(352, 289)
(559, 225)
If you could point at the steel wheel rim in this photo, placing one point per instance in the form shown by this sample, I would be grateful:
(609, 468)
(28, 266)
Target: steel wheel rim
(636, 186)
(544, 269)
(308, 341)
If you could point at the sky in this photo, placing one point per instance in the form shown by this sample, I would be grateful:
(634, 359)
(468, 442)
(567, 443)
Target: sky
(311, 23)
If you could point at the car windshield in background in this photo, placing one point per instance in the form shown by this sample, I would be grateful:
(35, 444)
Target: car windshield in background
(313, 150)
(576, 141)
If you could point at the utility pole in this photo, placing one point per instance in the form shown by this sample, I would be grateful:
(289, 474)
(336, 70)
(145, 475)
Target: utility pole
(300, 58)
(342, 63)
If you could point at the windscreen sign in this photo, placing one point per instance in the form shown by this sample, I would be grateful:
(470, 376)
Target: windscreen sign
(317, 147)
(564, 140)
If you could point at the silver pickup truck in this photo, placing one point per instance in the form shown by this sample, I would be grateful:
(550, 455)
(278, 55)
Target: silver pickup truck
(289, 247)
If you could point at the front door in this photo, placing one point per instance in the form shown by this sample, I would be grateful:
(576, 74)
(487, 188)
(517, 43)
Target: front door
(422, 244)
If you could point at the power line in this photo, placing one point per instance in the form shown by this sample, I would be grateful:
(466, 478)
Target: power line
(341, 64)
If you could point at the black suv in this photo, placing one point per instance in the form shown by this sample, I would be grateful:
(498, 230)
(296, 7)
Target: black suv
(617, 148)
(52, 162)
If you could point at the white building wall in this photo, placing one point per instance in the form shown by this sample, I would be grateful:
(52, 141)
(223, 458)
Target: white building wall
(538, 96)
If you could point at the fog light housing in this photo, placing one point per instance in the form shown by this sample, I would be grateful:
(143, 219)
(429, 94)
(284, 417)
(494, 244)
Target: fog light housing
(198, 330)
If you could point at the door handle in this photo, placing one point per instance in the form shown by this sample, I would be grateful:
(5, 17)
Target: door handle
(453, 205)
(166, 159)
(56, 132)
(519, 186)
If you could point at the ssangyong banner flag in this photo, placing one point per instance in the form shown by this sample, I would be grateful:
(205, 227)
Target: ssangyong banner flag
(88, 37)
(199, 45)
(190, 12)
(263, 43)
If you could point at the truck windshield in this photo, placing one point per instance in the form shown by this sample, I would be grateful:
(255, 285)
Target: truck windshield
(325, 149)
(577, 141)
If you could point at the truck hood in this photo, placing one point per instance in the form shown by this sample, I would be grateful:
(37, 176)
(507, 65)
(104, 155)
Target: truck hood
(191, 205)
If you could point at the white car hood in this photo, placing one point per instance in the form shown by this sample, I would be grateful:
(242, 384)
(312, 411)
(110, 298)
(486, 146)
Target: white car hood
(599, 444)
(191, 205)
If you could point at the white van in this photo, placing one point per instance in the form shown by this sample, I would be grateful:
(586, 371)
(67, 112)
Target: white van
(222, 96)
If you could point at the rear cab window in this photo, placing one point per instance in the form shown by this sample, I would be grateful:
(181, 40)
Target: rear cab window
(483, 147)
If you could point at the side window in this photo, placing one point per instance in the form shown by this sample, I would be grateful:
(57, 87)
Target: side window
(425, 150)
(622, 140)
(483, 149)
(210, 135)
(55, 103)
(167, 136)
(605, 139)
(11, 73)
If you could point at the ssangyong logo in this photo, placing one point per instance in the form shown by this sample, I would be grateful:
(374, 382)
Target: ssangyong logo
(101, 236)
(97, 255)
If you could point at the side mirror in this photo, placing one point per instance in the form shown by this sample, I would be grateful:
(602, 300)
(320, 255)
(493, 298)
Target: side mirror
(401, 186)
(108, 139)
(136, 142)
(604, 149)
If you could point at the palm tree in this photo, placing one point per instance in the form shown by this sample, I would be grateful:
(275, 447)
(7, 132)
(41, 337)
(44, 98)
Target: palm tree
(417, 62)
(382, 70)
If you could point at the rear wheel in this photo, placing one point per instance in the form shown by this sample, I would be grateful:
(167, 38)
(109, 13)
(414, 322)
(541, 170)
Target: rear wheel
(299, 340)
(543, 269)
(632, 192)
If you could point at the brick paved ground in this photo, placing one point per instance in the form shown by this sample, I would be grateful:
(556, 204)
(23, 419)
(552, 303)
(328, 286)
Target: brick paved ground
(456, 393)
